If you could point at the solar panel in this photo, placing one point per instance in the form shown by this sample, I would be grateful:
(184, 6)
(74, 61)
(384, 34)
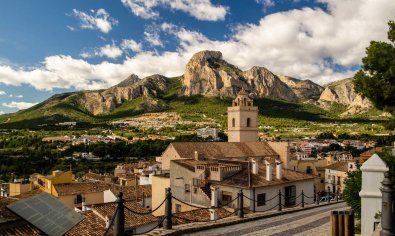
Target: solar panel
(47, 213)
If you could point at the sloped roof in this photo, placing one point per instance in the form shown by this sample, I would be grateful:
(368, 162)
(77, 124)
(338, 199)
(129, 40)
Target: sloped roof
(132, 220)
(217, 150)
(339, 166)
(91, 225)
(78, 188)
(197, 215)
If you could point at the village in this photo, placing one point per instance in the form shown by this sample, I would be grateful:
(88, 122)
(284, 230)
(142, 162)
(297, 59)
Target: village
(204, 178)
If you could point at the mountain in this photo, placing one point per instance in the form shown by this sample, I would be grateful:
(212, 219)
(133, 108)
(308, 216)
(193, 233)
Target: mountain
(342, 92)
(206, 75)
(304, 89)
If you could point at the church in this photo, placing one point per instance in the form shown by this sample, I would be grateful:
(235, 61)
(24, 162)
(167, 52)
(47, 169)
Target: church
(206, 173)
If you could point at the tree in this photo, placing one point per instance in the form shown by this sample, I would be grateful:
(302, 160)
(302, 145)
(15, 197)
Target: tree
(376, 79)
(352, 187)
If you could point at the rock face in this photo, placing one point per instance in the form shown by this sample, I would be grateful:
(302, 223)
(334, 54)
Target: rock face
(97, 102)
(209, 75)
(342, 92)
(304, 89)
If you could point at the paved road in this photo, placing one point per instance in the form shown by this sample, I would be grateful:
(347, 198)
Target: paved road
(309, 222)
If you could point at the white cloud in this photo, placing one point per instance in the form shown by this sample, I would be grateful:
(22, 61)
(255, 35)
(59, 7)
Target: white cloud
(100, 20)
(130, 44)
(18, 105)
(110, 50)
(153, 38)
(304, 43)
(2, 112)
(266, 3)
(2, 93)
(200, 9)
(15, 96)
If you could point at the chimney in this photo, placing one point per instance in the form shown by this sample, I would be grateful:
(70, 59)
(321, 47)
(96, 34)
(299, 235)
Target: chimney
(214, 196)
(269, 170)
(83, 206)
(196, 155)
(279, 169)
(255, 167)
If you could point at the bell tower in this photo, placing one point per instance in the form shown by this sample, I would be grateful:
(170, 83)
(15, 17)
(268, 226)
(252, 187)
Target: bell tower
(242, 119)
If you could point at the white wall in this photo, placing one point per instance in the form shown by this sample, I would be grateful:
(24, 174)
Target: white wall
(372, 175)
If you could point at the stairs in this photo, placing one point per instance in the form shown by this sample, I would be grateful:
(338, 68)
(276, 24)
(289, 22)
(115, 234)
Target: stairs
(207, 190)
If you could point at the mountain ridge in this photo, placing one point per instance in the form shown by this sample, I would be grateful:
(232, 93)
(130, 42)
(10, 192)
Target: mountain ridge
(206, 74)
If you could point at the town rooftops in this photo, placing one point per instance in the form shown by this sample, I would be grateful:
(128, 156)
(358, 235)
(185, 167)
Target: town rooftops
(94, 223)
(219, 150)
(78, 188)
(339, 166)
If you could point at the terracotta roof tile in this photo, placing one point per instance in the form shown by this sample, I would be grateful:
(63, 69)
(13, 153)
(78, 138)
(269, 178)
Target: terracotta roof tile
(339, 166)
(197, 215)
(78, 188)
(91, 225)
(218, 150)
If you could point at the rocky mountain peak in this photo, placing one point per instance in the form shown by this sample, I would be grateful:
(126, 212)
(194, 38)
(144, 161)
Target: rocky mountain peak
(130, 80)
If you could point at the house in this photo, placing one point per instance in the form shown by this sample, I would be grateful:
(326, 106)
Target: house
(19, 187)
(77, 194)
(335, 175)
(47, 182)
(200, 170)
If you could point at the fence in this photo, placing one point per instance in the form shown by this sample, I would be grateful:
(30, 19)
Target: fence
(118, 219)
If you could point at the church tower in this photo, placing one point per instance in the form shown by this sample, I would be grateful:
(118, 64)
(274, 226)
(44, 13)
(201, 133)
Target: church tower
(242, 119)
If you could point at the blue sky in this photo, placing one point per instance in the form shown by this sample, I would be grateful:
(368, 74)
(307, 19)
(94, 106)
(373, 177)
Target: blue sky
(48, 47)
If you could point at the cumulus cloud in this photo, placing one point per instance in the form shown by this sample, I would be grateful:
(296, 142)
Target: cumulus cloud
(305, 43)
(2, 112)
(2, 93)
(99, 19)
(18, 105)
(110, 50)
(130, 44)
(200, 9)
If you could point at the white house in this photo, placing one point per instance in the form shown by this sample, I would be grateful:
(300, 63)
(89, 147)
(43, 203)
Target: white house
(372, 175)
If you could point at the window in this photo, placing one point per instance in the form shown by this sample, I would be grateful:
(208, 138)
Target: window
(78, 199)
(187, 188)
(233, 122)
(319, 174)
(351, 166)
(322, 181)
(178, 208)
(261, 199)
(226, 198)
(309, 170)
(248, 122)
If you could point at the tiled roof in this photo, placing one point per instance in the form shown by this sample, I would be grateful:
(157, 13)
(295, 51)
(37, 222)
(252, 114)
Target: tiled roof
(17, 228)
(98, 177)
(78, 188)
(197, 215)
(129, 192)
(132, 220)
(339, 166)
(91, 225)
(217, 150)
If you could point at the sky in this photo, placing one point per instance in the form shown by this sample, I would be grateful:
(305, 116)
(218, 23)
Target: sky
(49, 47)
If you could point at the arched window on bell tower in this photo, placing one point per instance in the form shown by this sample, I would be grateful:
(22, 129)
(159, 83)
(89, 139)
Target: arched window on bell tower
(248, 122)
(233, 122)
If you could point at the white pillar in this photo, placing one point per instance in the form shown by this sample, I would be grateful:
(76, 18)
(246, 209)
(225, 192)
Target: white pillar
(269, 170)
(213, 214)
(372, 175)
(279, 169)
(214, 196)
